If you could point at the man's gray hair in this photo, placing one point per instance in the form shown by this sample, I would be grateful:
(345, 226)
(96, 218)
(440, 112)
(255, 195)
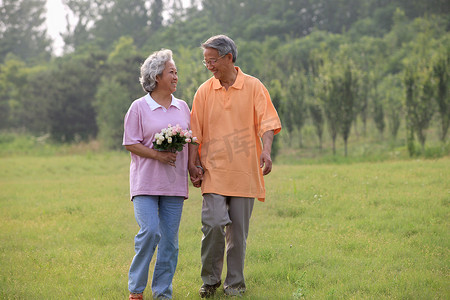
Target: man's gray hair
(223, 44)
(153, 66)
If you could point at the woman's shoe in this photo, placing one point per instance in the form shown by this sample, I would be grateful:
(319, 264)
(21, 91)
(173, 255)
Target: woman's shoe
(134, 296)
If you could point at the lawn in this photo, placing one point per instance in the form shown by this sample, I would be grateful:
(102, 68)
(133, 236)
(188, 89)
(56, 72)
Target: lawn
(329, 231)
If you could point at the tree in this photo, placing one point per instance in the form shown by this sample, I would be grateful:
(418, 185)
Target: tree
(117, 89)
(124, 64)
(327, 91)
(12, 78)
(337, 89)
(419, 101)
(22, 31)
(316, 113)
(86, 13)
(336, 16)
(347, 92)
(156, 18)
(392, 94)
(296, 110)
(378, 111)
(74, 81)
(112, 102)
(105, 21)
(362, 106)
(315, 64)
(441, 74)
(425, 110)
(33, 115)
(277, 97)
(122, 18)
(24, 96)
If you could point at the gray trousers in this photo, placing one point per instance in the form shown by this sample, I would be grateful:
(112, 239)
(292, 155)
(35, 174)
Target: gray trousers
(225, 218)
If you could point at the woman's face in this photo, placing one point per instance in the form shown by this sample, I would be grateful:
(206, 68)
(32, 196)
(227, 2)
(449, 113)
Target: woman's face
(169, 78)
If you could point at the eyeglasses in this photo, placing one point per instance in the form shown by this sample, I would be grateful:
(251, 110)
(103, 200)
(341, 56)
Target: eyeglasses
(212, 61)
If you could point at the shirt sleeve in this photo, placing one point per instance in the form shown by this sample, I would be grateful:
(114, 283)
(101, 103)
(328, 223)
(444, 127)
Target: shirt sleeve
(133, 132)
(266, 114)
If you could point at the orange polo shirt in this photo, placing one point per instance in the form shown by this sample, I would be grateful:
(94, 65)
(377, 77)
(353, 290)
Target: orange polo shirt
(229, 125)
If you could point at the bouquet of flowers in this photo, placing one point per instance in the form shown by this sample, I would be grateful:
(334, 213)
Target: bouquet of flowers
(173, 139)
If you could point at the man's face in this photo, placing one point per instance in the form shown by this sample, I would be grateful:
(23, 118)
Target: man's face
(215, 63)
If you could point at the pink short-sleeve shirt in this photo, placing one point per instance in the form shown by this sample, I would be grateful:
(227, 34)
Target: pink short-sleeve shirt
(148, 176)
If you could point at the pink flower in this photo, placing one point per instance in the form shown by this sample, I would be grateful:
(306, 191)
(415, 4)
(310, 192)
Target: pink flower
(168, 138)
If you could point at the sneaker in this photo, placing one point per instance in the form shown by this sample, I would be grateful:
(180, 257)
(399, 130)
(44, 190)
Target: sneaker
(207, 290)
(237, 292)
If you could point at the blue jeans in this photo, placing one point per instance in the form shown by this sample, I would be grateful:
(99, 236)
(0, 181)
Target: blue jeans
(159, 219)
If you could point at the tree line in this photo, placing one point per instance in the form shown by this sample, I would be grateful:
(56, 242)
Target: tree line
(327, 64)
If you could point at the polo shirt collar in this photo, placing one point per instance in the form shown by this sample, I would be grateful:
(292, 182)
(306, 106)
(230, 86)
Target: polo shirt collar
(154, 105)
(238, 83)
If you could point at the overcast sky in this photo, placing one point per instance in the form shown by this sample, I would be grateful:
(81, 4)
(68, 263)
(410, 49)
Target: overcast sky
(56, 23)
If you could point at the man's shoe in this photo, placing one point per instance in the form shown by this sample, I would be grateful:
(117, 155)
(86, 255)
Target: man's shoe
(207, 290)
(237, 292)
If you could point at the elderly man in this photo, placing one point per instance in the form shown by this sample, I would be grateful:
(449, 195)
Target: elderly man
(231, 114)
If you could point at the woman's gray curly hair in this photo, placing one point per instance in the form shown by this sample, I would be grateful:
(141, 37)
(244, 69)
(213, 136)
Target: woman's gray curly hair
(153, 66)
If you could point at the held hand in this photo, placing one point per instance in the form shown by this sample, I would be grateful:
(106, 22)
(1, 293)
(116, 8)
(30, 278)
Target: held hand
(167, 157)
(196, 175)
(197, 184)
(266, 162)
(197, 178)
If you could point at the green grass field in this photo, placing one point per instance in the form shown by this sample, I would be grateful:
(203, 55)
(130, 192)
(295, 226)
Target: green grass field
(329, 231)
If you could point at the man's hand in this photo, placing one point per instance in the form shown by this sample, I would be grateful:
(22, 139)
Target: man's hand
(194, 166)
(196, 175)
(266, 162)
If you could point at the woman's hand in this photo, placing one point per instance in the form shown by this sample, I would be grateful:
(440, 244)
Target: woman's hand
(194, 166)
(196, 175)
(167, 157)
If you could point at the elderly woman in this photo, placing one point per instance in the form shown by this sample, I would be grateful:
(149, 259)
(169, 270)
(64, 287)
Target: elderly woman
(158, 179)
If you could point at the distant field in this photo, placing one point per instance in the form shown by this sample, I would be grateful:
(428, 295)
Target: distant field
(328, 231)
